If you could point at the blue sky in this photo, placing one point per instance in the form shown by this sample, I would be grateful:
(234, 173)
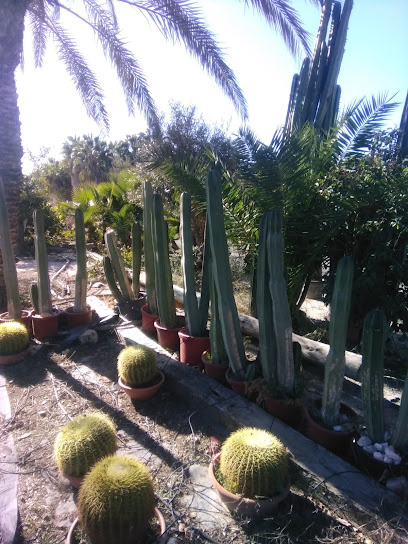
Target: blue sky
(374, 62)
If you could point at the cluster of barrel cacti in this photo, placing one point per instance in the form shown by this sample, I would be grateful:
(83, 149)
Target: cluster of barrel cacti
(137, 365)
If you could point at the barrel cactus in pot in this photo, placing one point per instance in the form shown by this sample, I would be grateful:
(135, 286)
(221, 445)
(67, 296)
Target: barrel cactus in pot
(138, 373)
(81, 443)
(194, 339)
(251, 472)
(14, 342)
(116, 502)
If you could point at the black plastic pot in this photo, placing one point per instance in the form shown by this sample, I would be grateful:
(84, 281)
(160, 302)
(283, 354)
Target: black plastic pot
(130, 309)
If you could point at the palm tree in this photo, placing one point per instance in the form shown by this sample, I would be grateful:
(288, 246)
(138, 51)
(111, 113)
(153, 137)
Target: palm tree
(178, 20)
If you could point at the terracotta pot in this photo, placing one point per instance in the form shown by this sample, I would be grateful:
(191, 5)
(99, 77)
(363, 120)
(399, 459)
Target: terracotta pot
(25, 319)
(131, 309)
(74, 319)
(142, 393)
(371, 466)
(213, 370)
(158, 515)
(167, 338)
(336, 441)
(148, 319)
(289, 413)
(249, 508)
(12, 359)
(45, 326)
(192, 347)
(238, 386)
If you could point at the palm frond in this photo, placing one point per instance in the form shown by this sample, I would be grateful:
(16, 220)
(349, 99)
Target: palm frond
(283, 17)
(183, 22)
(361, 120)
(39, 30)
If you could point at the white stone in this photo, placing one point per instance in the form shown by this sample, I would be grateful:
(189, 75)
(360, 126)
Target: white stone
(364, 441)
(387, 459)
(387, 435)
(338, 428)
(89, 337)
(369, 449)
(390, 452)
(378, 455)
(378, 447)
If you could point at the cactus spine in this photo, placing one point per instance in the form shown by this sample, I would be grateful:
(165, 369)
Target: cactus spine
(228, 313)
(148, 248)
(41, 259)
(196, 312)
(82, 442)
(116, 500)
(164, 284)
(9, 262)
(372, 383)
(275, 324)
(254, 463)
(13, 338)
(81, 278)
(136, 257)
(336, 360)
(137, 365)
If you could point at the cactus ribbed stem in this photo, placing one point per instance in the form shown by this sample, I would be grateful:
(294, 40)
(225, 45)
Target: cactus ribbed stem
(218, 352)
(204, 302)
(336, 360)
(151, 292)
(110, 278)
(118, 265)
(81, 278)
(34, 298)
(9, 262)
(136, 257)
(400, 436)
(372, 383)
(164, 283)
(41, 259)
(222, 274)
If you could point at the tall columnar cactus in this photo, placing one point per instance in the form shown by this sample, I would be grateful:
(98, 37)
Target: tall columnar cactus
(400, 435)
(228, 313)
(164, 283)
(118, 266)
(218, 352)
(137, 365)
(116, 500)
(253, 462)
(110, 278)
(41, 260)
(34, 298)
(148, 248)
(336, 360)
(275, 324)
(82, 442)
(372, 383)
(81, 278)
(196, 311)
(136, 257)
(9, 262)
(13, 338)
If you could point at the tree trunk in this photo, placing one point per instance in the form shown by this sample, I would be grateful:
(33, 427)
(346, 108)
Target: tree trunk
(11, 46)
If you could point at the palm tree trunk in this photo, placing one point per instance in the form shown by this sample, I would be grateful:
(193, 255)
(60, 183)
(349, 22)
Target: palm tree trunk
(11, 45)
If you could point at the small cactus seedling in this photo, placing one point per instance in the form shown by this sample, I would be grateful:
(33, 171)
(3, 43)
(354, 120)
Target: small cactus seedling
(254, 463)
(84, 441)
(116, 500)
(13, 338)
(137, 365)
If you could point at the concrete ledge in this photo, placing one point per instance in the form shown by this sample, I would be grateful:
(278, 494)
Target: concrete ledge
(233, 411)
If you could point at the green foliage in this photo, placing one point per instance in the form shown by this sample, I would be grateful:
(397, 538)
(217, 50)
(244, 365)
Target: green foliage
(13, 338)
(137, 365)
(116, 500)
(82, 442)
(254, 463)
(35, 198)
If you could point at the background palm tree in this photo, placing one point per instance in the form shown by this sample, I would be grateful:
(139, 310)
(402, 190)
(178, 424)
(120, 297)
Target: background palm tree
(178, 20)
